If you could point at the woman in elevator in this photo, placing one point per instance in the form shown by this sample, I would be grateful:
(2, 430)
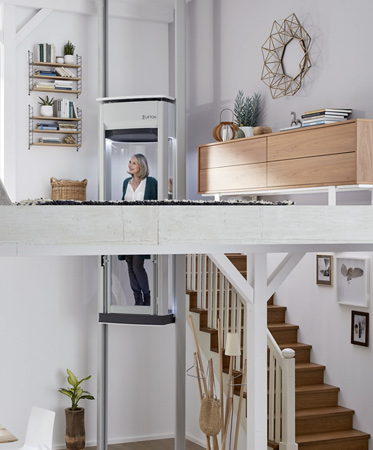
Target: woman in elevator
(138, 187)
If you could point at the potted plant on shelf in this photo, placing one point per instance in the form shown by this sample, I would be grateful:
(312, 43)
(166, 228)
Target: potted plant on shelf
(246, 111)
(68, 51)
(75, 429)
(46, 108)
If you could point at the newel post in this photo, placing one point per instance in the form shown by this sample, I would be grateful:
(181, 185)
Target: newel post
(288, 401)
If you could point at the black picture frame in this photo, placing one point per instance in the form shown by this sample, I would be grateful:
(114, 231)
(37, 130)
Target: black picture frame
(360, 328)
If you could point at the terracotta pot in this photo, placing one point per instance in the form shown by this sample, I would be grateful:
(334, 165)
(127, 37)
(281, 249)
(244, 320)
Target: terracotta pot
(75, 430)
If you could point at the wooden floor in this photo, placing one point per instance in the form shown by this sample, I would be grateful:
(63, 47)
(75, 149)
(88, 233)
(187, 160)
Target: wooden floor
(164, 444)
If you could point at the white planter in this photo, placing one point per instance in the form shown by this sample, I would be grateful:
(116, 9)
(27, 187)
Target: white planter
(60, 60)
(69, 59)
(248, 131)
(46, 110)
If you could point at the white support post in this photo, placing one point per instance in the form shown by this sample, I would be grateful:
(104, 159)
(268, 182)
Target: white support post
(288, 396)
(332, 196)
(180, 330)
(8, 159)
(180, 90)
(257, 358)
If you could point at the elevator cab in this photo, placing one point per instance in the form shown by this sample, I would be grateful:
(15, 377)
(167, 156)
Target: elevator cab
(130, 126)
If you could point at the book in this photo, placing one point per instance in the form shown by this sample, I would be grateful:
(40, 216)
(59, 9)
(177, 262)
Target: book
(322, 122)
(324, 114)
(295, 127)
(48, 128)
(329, 110)
(323, 118)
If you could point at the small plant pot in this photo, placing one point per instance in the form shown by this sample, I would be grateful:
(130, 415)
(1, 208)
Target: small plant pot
(75, 429)
(46, 110)
(60, 60)
(69, 59)
(248, 131)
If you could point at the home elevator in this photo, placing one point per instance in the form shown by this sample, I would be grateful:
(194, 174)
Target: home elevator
(129, 126)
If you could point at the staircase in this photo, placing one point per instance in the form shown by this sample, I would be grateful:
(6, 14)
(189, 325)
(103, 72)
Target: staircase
(321, 424)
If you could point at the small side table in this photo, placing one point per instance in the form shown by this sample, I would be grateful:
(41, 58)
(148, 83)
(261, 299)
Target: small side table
(6, 436)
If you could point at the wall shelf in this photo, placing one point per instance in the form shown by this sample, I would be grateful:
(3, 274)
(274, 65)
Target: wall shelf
(77, 132)
(76, 80)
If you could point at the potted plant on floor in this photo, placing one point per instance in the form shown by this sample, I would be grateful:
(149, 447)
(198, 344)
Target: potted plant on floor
(75, 429)
(46, 108)
(68, 51)
(246, 111)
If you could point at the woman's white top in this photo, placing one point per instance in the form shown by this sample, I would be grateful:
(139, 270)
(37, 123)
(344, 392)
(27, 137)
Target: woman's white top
(138, 194)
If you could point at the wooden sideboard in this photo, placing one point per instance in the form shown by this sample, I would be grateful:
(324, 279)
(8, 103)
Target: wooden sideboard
(326, 155)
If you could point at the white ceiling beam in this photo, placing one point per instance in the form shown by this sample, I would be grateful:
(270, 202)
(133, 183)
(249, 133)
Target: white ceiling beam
(148, 12)
(75, 6)
(33, 23)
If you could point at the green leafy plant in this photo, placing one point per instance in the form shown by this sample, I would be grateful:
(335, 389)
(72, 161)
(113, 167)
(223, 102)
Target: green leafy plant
(46, 101)
(246, 109)
(75, 392)
(68, 48)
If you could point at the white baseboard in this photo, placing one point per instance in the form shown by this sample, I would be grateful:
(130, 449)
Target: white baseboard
(123, 440)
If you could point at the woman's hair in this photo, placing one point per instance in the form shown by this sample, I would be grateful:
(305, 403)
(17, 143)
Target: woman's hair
(144, 167)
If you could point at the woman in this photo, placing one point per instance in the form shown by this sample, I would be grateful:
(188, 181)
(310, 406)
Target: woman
(139, 186)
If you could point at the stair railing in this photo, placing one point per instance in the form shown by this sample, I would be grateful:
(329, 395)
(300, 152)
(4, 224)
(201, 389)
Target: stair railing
(281, 395)
(217, 295)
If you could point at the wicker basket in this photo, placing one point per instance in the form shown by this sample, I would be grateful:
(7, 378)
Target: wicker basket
(68, 189)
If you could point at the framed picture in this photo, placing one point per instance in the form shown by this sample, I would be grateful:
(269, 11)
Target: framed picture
(324, 270)
(360, 328)
(352, 275)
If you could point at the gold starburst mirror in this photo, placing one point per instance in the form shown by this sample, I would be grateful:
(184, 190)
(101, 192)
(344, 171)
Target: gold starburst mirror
(286, 36)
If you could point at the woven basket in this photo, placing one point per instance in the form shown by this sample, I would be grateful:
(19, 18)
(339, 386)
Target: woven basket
(68, 189)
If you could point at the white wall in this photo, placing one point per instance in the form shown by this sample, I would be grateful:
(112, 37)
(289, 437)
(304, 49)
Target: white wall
(48, 306)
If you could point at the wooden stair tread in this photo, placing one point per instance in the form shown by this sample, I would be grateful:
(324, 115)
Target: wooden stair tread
(295, 346)
(331, 436)
(277, 307)
(316, 388)
(299, 367)
(282, 326)
(324, 411)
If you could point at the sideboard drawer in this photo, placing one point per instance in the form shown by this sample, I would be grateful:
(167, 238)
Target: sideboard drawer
(235, 178)
(233, 153)
(317, 171)
(325, 140)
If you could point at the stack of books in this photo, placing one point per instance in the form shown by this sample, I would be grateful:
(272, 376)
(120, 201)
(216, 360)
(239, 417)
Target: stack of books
(50, 140)
(59, 85)
(47, 126)
(67, 126)
(63, 85)
(46, 73)
(324, 116)
(45, 85)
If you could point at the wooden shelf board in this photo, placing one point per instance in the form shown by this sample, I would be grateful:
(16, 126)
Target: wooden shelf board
(73, 66)
(60, 119)
(55, 131)
(56, 77)
(42, 144)
(63, 91)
